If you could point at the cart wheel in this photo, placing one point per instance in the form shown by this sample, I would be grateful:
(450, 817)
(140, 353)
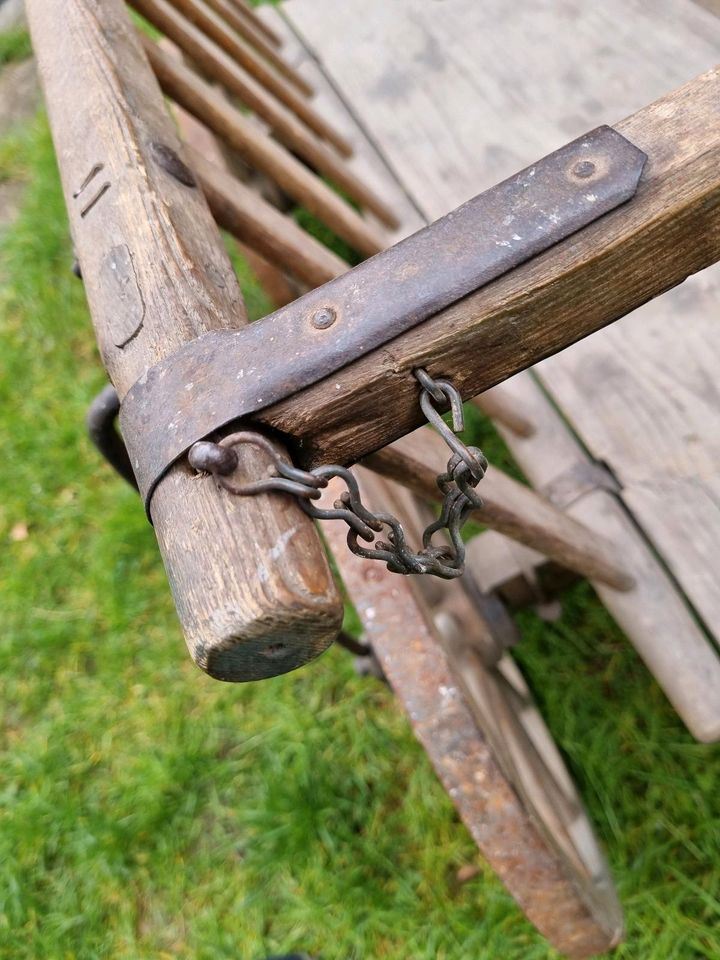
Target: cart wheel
(473, 714)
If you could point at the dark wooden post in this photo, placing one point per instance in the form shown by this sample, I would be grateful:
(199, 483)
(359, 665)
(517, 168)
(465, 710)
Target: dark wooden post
(251, 583)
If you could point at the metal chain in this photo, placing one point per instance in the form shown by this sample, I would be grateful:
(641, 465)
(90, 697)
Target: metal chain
(465, 468)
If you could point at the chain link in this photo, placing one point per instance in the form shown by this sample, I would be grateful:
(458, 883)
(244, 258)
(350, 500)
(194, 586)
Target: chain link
(465, 468)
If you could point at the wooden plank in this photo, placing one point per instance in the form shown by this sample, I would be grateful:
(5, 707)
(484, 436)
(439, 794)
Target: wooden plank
(475, 104)
(647, 402)
(463, 94)
(260, 151)
(156, 275)
(653, 614)
(666, 232)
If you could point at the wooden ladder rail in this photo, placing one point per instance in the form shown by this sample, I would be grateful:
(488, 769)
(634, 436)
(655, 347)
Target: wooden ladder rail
(156, 275)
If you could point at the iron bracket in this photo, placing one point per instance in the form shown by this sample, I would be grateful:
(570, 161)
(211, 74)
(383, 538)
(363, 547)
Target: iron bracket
(225, 375)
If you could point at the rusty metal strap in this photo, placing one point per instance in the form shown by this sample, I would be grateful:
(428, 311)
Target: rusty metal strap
(224, 375)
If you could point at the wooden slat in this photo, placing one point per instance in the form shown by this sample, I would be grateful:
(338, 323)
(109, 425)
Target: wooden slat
(668, 231)
(215, 63)
(250, 31)
(508, 507)
(263, 153)
(249, 218)
(365, 161)
(653, 614)
(456, 105)
(210, 24)
(653, 414)
(156, 275)
(249, 12)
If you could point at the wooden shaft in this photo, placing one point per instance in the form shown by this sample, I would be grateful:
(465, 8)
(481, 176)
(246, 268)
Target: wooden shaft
(252, 220)
(249, 31)
(245, 10)
(196, 96)
(215, 63)
(210, 24)
(250, 580)
(669, 230)
(508, 507)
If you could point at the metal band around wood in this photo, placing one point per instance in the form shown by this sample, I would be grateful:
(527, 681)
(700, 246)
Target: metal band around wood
(224, 376)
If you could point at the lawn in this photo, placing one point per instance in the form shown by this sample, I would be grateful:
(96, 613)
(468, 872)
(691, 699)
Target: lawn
(147, 811)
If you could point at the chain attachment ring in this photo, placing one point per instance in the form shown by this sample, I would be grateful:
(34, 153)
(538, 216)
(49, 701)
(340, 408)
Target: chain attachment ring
(465, 468)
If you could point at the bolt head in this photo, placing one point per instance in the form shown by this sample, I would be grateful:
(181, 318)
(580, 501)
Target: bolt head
(584, 169)
(323, 318)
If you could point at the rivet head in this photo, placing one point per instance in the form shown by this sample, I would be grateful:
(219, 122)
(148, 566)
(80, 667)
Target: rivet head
(323, 318)
(584, 169)
(212, 458)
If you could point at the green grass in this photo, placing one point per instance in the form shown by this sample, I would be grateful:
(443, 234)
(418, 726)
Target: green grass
(147, 811)
(14, 45)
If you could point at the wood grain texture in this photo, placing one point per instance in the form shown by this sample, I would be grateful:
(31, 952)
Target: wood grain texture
(668, 231)
(653, 614)
(508, 507)
(289, 130)
(648, 403)
(250, 580)
(480, 91)
(260, 151)
(206, 20)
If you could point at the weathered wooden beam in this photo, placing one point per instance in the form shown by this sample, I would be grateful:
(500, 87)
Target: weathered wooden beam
(508, 507)
(216, 64)
(669, 230)
(249, 576)
(260, 151)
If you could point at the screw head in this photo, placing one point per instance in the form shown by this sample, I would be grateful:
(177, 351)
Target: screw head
(323, 318)
(584, 169)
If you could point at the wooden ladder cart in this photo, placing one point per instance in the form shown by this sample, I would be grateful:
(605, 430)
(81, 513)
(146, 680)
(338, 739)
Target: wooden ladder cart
(229, 427)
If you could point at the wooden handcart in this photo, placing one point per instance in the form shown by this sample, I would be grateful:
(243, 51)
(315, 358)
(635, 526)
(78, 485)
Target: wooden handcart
(239, 436)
